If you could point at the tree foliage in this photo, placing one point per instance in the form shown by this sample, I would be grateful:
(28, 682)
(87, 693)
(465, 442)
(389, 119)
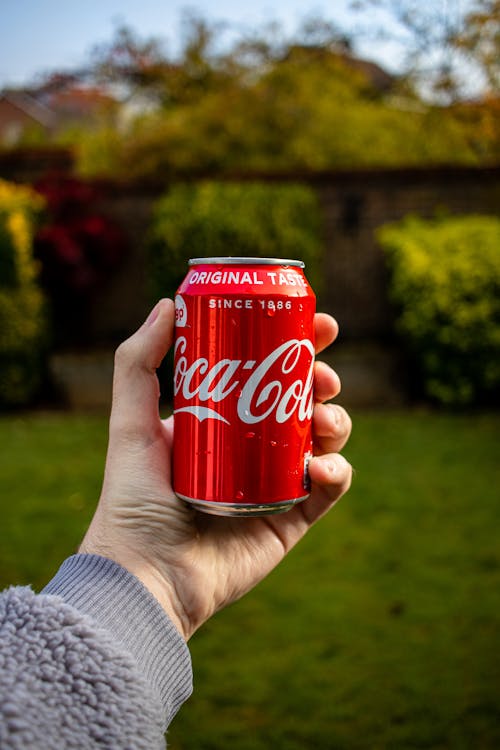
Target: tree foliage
(23, 324)
(445, 43)
(212, 218)
(445, 283)
(480, 39)
(266, 101)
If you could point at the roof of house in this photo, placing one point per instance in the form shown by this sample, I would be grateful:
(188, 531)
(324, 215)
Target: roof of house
(79, 101)
(30, 106)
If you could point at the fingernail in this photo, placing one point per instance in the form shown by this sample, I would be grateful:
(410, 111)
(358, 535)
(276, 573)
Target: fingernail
(153, 315)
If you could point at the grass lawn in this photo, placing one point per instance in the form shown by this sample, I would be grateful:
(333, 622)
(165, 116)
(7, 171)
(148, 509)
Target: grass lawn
(379, 631)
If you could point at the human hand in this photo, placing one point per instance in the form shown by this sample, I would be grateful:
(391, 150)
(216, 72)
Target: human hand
(194, 563)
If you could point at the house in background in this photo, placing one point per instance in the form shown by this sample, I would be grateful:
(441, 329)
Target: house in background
(20, 114)
(49, 109)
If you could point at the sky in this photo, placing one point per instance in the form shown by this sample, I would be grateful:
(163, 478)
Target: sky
(37, 36)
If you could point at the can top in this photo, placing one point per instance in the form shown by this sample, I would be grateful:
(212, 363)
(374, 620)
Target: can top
(235, 261)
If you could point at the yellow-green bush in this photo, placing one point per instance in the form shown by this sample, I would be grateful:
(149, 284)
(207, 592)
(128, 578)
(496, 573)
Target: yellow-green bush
(22, 311)
(445, 282)
(240, 219)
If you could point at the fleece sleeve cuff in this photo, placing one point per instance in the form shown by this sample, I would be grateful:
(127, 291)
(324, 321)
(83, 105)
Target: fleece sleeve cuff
(120, 603)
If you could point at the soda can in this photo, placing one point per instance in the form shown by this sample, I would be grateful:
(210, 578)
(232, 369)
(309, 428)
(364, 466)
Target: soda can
(243, 385)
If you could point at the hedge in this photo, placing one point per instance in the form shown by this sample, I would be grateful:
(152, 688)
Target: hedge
(445, 283)
(22, 309)
(239, 219)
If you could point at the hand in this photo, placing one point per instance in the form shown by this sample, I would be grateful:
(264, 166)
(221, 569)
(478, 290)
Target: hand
(193, 563)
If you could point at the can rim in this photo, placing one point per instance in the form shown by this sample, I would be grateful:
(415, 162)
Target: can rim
(239, 261)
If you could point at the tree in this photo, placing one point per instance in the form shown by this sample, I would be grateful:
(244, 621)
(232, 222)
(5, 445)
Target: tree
(130, 63)
(445, 43)
(268, 101)
(309, 110)
(479, 39)
(144, 67)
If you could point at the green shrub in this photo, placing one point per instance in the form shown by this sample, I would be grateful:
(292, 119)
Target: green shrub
(22, 312)
(445, 281)
(212, 219)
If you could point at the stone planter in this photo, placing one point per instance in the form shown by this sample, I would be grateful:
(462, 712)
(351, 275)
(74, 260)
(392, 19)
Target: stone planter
(83, 379)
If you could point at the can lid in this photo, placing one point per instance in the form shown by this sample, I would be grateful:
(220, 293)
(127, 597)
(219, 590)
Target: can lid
(235, 261)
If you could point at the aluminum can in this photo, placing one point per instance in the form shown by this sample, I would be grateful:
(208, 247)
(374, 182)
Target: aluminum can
(243, 385)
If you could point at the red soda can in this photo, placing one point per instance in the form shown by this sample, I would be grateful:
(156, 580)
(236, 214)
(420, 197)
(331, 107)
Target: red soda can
(243, 385)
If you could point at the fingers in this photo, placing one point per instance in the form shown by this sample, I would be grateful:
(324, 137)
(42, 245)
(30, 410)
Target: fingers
(330, 473)
(331, 476)
(331, 428)
(326, 330)
(326, 382)
(135, 385)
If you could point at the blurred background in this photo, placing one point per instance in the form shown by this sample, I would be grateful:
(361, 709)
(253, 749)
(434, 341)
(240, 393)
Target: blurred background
(362, 137)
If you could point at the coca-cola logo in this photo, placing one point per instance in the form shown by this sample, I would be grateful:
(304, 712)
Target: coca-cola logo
(180, 312)
(272, 390)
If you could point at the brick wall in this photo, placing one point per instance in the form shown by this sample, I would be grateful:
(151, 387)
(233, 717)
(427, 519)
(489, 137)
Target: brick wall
(28, 165)
(354, 204)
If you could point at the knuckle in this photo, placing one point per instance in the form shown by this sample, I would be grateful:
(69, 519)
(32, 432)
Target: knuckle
(344, 472)
(345, 420)
(121, 353)
(342, 423)
(125, 354)
(342, 478)
(343, 466)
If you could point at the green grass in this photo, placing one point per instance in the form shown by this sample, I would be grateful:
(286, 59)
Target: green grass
(51, 468)
(380, 630)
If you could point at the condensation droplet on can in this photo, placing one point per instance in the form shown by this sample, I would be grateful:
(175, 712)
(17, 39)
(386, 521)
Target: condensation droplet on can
(250, 434)
(273, 443)
(240, 495)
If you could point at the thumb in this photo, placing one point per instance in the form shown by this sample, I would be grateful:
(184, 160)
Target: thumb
(136, 390)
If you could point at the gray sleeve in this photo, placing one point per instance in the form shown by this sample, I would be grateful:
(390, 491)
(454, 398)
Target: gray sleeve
(91, 662)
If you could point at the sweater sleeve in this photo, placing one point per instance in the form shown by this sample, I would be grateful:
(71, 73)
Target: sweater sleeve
(91, 662)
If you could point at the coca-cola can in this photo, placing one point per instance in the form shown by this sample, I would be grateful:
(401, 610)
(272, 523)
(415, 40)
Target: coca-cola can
(243, 385)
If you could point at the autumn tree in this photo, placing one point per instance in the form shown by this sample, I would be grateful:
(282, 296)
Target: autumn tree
(268, 101)
(479, 40)
(445, 43)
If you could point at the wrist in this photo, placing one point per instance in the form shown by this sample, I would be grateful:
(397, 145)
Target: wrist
(162, 590)
(118, 602)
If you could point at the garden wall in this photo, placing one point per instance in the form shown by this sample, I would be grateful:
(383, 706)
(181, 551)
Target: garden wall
(354, 203)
